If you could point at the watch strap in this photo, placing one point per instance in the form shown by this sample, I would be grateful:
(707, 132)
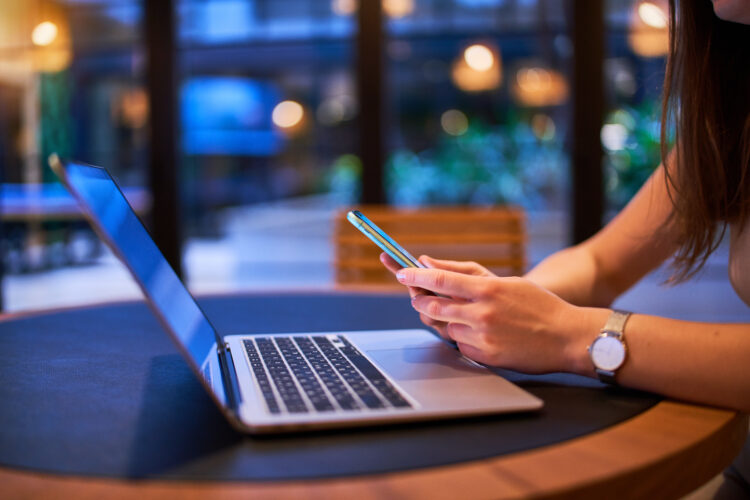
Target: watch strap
(616, 322)
(615, 327)
(608, 377)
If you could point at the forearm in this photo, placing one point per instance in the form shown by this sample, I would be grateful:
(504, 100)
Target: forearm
(700, 362)
(572, 275)
(634, 243)
(516, 324)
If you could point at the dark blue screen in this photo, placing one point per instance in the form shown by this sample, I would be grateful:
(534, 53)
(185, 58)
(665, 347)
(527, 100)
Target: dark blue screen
(119, 224)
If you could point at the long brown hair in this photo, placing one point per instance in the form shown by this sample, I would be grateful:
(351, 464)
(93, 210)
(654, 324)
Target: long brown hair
(707, 101)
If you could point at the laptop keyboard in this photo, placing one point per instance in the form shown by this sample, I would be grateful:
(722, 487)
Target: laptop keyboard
(316, 373)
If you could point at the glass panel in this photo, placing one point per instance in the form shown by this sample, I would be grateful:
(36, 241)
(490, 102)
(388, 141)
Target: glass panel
(70, 83)
(268, 104)
(479, 95)
(637, 44)
(266, 120)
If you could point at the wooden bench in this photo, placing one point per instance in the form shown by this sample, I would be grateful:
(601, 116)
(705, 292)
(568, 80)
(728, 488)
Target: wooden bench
(494, 237)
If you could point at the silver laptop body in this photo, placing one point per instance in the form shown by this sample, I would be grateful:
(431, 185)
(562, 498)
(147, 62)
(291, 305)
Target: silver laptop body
(288, 382)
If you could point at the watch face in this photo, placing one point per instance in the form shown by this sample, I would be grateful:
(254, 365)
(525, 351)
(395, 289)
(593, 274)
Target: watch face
(607, 353)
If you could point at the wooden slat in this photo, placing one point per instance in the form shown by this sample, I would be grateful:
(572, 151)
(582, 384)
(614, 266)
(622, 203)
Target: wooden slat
(367, 264)
(493, 237)
(440, 212)
(357, 240)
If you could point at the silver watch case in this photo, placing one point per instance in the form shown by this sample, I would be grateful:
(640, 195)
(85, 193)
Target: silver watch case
(608, 352)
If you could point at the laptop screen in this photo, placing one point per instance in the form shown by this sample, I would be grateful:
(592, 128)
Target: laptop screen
(114, 217)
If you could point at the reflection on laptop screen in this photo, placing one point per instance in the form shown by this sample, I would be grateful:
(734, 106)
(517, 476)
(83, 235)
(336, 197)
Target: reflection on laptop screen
(120, 224)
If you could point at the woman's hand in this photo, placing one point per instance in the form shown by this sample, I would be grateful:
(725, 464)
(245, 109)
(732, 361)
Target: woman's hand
(508, 322)
(470, 268)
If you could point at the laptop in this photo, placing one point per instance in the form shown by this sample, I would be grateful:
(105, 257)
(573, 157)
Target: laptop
(268, 382)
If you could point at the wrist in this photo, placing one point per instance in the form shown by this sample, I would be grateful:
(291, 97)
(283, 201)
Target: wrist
(582, 330)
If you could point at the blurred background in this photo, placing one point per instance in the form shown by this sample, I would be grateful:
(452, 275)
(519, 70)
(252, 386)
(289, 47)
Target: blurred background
(238, 128)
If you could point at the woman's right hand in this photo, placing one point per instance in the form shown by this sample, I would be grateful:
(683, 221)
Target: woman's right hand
(471, 268)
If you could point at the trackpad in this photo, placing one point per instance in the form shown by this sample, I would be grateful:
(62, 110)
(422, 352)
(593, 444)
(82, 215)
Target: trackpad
(424, 363)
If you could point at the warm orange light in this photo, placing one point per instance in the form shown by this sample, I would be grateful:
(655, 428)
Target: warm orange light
(479, 57)
(52, 51)
(652, 15)
(394, 9)
(287, 114)
(51, 59)
(649, 43)
(397, 8)
(134, 108)
(478, 69)
(537, 87)
(649, 34)
(344, 7)
(44, 33)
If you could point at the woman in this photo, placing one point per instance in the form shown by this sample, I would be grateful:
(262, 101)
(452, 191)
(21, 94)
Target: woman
(545, 321)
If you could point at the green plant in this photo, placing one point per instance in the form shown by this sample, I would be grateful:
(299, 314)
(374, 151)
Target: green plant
(505, 164)
(631, 137)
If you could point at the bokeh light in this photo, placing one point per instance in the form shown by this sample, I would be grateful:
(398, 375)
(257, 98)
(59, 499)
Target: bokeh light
(479, 57)
(133, 108)
(454, 122)
(652, 15)
(337, 109)
(479, 68)
(396, 9)
(649, 34)
(44, 33)
(287, 114)
(344, 7)
(543, 127)
(538, 86)
(613, 136)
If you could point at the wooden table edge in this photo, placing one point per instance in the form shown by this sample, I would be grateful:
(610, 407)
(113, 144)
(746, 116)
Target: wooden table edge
(665, 452)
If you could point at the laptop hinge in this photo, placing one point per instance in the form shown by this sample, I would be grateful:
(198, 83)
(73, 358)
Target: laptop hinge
(229, 378)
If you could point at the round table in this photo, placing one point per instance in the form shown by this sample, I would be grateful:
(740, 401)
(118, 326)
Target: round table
(665, 451)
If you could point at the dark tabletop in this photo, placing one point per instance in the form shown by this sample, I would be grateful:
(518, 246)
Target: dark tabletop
(102, 391)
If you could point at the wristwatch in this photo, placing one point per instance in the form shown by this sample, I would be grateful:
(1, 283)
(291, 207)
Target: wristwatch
(608, 350)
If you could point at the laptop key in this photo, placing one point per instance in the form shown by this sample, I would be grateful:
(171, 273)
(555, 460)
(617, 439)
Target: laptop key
(260, 376)
(358, 384)
(375, 376)
(306, 378)
(310, 373)
(327, 374)
(281, 377)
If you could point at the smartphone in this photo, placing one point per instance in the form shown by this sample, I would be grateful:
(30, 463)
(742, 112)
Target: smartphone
(396, 251)
(381, 239)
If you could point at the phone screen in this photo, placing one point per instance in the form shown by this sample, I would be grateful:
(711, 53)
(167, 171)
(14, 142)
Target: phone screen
(381, 239)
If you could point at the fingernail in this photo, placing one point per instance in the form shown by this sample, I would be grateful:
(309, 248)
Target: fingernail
(401, 276)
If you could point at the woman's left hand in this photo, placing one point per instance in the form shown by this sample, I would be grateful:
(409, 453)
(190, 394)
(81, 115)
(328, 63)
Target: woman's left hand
(507, 322)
